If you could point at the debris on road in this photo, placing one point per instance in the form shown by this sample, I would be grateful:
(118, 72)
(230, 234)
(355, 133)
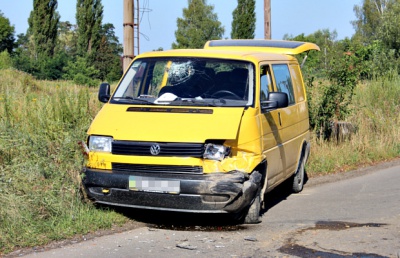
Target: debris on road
(186, 245)
(251, 238)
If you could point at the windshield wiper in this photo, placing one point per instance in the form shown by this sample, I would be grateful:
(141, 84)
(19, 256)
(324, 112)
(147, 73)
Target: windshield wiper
(131, 100)
(192, 102)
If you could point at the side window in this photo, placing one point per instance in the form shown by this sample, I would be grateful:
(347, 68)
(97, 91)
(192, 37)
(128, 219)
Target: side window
(284, 81)
(265, 80)
(297, 82)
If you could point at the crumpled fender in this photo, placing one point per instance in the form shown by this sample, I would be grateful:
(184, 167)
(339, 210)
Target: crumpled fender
(248, 192)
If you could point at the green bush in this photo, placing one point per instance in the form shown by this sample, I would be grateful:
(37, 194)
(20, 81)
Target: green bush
(375, 112)
(81, 73)
(40, 162)
(5, 60)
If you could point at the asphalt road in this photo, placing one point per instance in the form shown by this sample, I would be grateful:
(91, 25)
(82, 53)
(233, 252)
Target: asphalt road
(355, 214)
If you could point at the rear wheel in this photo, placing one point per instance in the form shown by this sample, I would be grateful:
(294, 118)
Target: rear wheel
(298, 178)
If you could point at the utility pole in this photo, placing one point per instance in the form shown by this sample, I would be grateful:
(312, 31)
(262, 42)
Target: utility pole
(128, 33)
(131, 31)
(267, 19)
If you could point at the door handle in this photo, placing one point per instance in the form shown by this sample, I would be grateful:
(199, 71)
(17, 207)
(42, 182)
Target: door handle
(280, 119)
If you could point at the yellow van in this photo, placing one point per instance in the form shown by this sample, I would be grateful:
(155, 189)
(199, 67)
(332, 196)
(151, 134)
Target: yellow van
(202, 130)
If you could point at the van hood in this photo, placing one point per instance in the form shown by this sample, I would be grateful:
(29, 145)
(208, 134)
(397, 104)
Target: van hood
(167, 124)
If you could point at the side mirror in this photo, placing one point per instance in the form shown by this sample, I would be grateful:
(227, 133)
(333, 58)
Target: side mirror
(275, 100)
(104, 92)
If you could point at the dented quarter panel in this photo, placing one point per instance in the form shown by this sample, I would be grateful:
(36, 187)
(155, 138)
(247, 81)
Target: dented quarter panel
(247, 148)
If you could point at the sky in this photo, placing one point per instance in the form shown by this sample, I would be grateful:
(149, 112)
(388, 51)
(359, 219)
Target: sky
(158, 17)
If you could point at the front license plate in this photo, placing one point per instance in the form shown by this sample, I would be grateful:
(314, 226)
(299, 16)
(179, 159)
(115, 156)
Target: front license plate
(150, 184)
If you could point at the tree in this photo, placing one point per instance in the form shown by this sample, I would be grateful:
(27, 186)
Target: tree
(22, 57)
(378, 35)
(244, 20)
(198, 25)
(89, 16)
(38, 55)
(81, 72)
(6, 34)
(67, 38)
(318, 61)
(369, 16)
(43, 24)
(389, 32)
(107, 60)
(5, 60)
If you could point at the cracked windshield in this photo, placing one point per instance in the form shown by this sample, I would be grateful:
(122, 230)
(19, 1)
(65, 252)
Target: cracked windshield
(187, 81)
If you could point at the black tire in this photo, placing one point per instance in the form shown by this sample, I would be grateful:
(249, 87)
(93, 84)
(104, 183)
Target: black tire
(298, 178)
(253, 213)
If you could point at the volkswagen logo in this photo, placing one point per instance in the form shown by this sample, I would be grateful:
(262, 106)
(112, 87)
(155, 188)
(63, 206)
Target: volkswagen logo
(155, 149)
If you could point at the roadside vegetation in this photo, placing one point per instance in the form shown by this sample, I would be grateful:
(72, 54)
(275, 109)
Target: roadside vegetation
(40, 160)
(374, 135)
(41, 123)
(46, 106)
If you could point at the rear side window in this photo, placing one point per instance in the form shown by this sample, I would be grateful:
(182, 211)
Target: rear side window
(297, 83)
(283, 81)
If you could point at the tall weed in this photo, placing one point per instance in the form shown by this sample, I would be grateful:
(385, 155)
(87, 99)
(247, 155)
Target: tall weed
(5, 60)
(41, 123)
(40, 162)
(375, 113)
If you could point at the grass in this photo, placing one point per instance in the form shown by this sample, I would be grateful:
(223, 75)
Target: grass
(40, 160)
(376, 117)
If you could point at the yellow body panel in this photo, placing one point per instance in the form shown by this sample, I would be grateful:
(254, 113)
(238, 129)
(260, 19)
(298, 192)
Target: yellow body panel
(254, 137)
(166, 124)
(201, 130)
(223, 123)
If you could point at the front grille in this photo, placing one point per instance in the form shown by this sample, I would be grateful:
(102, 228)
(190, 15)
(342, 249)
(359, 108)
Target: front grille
(129, 168)
(165, 149)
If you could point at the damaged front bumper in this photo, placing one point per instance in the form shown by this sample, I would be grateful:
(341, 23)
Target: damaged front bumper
(228, 192)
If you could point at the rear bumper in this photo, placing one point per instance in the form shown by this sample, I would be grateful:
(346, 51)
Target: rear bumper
(205, 193)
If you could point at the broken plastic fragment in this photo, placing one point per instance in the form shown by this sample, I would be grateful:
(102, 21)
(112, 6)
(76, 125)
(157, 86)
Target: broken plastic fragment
(166, 98)
(186, 245)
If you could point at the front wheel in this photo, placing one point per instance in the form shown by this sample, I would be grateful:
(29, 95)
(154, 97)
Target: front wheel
(253, 214)
(298, 178)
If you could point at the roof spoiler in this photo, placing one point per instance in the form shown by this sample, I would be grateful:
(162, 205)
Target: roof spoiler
(262, 45)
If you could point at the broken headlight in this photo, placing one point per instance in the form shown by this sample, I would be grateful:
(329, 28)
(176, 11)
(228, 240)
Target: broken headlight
(215, 151)
(100, 143)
